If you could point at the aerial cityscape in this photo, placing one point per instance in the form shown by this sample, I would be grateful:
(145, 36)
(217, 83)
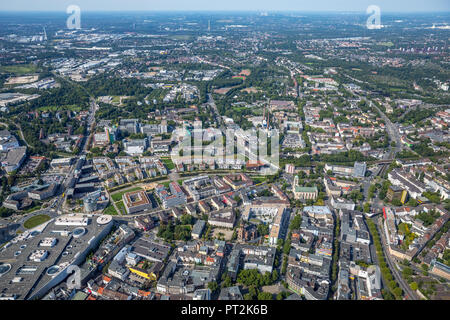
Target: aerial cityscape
(224, 155)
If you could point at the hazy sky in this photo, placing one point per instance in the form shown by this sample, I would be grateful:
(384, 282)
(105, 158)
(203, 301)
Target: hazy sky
(258, 5)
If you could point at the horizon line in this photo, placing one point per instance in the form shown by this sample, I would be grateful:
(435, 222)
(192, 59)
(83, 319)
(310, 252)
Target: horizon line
(221, 10)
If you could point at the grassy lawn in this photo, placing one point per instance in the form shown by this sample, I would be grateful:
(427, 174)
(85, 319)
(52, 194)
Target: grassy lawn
(166, 184)
(110, 210)
(260, 179)
(255, 221)
(121, 207)
(36, 220)
(386, 44)
(19, 69)
(168, 163)
(118, 196)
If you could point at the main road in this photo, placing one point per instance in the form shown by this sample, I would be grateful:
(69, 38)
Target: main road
(410, 294)
(90, 127)
(392, 131)
(394, 136)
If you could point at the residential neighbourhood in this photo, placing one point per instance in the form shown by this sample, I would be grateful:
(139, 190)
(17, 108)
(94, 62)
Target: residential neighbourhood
(225, 157)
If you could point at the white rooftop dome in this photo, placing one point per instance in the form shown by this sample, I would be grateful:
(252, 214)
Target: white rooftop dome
(104, 219)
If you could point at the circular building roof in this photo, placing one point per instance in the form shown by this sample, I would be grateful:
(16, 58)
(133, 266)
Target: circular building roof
(4, 268)
(53, 270)
(78, 232)
(104, 219)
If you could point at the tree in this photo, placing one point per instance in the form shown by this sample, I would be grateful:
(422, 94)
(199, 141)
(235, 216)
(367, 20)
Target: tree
(280, 243)
(267, 279)
(392, 284)
(248, 296)
(398, 291)
(265, 296)
(434, 197)
(274, 275)
(284, 267)
(282, 295)
(407, 272)
(4, 212)
(263, 229)
(252, 277)
(226, 281)
(296, 222)
(412, 203)
(387, 295)
(287, 246)
(213, 286)
(414, 286)
(187, 219)
(252, 293)
(12, 178)
(372, 190)
(388, 276)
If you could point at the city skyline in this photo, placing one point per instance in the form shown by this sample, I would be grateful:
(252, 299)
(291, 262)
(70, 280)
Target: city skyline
(232, 5)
